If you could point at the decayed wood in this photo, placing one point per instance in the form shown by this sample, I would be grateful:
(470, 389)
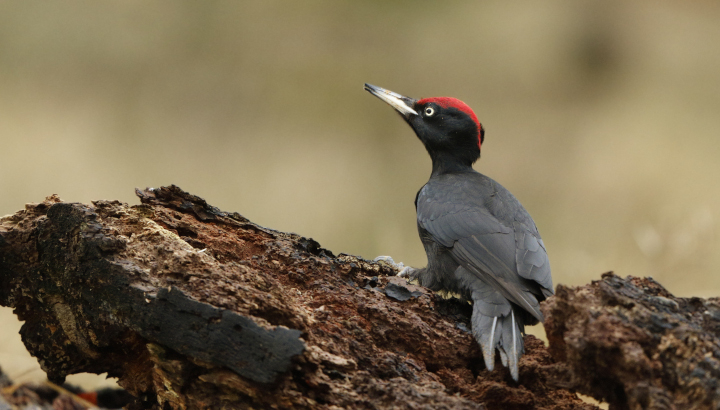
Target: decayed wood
(192, 307)
(633, 344)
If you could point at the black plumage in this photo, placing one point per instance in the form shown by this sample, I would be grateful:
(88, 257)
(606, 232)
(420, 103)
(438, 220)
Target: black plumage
(479, 240)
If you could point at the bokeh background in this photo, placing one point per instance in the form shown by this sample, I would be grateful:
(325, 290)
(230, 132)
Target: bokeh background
(602, 117)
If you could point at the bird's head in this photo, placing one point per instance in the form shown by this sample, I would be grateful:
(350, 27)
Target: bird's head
(446, 126)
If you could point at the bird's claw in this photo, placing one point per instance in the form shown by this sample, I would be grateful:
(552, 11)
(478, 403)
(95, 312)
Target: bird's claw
(405, 272)
(389, 260)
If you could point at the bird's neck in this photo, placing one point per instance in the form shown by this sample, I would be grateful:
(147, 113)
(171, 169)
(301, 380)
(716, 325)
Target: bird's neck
(447, 163)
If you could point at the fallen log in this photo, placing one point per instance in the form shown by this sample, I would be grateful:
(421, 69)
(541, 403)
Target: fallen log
(631, 343)
(192, 307)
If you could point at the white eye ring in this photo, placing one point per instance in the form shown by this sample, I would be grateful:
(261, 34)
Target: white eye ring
(429, 111)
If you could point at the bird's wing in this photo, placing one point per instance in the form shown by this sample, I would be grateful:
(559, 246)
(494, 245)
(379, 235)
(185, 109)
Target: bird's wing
(489, 233)
(532, 258)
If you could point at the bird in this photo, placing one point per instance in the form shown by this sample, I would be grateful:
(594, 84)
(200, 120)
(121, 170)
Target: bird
(480, 242)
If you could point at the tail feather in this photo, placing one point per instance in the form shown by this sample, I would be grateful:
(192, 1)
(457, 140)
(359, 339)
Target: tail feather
(503, 333)
(487, 332)
(511, 343)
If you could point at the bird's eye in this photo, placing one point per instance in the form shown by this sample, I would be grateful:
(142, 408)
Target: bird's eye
(429, 111)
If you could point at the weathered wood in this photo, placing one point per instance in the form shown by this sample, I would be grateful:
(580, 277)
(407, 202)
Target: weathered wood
(192, 307)
(633, 344)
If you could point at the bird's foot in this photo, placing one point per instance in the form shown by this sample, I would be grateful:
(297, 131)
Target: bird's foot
(390, 261)
(403, 271)
(407, 273)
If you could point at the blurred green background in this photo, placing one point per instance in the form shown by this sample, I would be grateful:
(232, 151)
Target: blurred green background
(602, 117)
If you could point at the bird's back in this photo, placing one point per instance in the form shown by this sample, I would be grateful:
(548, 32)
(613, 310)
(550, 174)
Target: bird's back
(484, 226)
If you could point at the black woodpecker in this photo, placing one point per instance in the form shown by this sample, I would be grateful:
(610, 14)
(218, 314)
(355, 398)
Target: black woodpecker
(479, 240)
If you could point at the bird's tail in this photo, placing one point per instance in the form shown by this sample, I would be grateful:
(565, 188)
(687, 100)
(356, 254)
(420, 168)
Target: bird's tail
(502, 332)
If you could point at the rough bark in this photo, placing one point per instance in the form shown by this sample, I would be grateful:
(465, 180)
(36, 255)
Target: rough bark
(192, 307)
(630, 343)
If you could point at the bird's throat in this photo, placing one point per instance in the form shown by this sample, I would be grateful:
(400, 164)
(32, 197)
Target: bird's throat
(449, 163)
